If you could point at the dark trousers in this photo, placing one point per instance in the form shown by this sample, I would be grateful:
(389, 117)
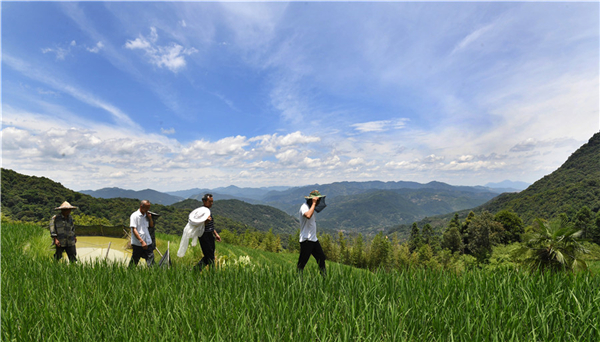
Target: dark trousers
(207, 243)
(140, 252)
(308, 248)
(71, 253)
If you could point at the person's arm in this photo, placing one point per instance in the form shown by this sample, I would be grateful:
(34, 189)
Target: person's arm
(311, 211)
(53, 233)
(217, 236)
(137, 236)
(150, 221)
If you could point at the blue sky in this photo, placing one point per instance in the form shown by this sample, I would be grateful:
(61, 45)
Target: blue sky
(176, 95)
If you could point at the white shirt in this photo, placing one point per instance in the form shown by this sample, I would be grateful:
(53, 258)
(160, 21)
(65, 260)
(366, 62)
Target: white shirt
(308, 227)
(140, 222)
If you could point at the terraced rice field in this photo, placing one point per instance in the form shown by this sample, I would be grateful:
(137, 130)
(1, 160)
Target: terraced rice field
(262, 298)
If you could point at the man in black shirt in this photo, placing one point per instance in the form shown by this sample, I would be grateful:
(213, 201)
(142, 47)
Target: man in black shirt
(207, 240)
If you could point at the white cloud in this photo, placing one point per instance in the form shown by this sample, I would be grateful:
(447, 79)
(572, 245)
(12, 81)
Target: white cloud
(472, 37)
(99, 46)
(271, 143)
(171, 56)
(167, 131)
(75, 91)
(59, 52)
(380, 126)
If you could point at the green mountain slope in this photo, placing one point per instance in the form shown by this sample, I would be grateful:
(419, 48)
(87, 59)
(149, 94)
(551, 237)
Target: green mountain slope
(33, 199)
(261, 217)
(575, 184)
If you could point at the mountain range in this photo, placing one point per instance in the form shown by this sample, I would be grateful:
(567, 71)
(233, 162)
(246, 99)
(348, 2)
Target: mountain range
(352, 206)
(388, 203)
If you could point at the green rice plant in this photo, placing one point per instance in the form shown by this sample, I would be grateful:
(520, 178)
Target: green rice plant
(45, 300)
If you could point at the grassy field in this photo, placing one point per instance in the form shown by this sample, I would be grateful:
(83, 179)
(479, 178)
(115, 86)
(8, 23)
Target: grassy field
(266, 300)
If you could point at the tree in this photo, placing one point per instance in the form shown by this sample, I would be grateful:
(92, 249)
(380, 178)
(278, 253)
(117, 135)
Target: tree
(402, 257)
(427, 235)
(329, 247)
(584, 221)
(596, 233)
(294, 242)
(414, 242)
(553, 246)
(425, 254)
(344, 250)
(357, 254)
(380, 252)
(455, 222)
(464, 231)
(452, 240)
(513, 225)
(271, 243)
(483, 232)
(86, 220)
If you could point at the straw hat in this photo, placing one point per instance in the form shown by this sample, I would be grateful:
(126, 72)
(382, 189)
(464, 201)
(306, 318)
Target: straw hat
(65, 205)
(313, 194)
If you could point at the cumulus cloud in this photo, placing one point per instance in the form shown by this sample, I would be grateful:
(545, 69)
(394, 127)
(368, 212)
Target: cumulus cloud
(170, 56)
(272, 143)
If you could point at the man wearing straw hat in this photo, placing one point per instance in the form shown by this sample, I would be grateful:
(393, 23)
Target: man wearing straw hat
(309, 245)
(62, 232)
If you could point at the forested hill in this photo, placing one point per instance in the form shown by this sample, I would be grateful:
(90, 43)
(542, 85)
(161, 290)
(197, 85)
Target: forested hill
(261, 217)
(574, 185)
(152, 195)
(30, 198)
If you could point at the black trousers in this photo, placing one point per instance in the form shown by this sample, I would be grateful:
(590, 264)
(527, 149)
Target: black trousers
(140, 252)
(71, 253)
(308, 248)
(207, 243)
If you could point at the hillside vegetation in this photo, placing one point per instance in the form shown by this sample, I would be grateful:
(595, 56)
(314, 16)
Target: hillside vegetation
(33, 199)
(574, 185)
(261, 217)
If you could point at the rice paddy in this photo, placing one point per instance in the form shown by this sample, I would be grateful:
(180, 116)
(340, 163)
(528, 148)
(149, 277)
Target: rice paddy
(258, 296)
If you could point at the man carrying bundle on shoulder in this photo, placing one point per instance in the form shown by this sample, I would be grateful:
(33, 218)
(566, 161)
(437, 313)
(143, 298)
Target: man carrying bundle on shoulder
(309, 244)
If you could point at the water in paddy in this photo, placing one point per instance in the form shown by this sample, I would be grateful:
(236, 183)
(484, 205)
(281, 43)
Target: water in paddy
(93, 247)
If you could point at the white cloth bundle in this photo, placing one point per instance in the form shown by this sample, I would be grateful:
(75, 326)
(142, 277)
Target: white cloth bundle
(193, 229)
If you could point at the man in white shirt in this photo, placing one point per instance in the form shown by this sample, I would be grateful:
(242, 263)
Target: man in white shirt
(309, 245)
(141, 241)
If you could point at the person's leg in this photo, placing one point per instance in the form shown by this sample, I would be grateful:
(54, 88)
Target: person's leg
(319, 255)
(58, 254)
(207, 243)
(149, 255)
(71, 253)
(135, 255)
(305, 252)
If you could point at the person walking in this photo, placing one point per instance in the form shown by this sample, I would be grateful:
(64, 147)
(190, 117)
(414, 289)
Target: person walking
(309, 244)
(141, 241)
(207, 240)
(62, 232)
